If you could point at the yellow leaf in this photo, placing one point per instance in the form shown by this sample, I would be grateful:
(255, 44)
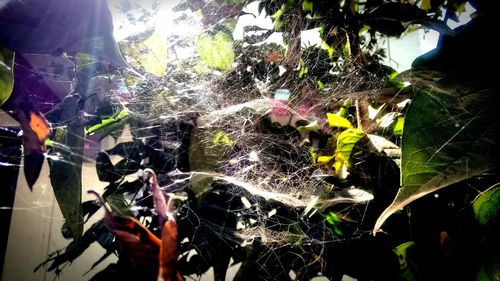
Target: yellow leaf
(150, 54)
(155, 61)
(337, 121)
(221, 138)
(325, 159)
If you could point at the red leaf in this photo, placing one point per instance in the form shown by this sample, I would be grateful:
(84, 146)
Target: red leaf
(140, 249)
(168, 253)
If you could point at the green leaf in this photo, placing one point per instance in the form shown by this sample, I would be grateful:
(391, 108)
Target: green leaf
(487, 206)
(335, 222)
(216, 51)
(6, 73)
(335, 120)
(303, 69)
(347, 48)
(451, 134)
(307, 5)
(320, 85)
(329, 48)
(489, 273)
(110, 125)
(402, 251)
(346, 142)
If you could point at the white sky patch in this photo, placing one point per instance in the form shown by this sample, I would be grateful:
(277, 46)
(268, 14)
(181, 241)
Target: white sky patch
(309, 37)
(463, 18)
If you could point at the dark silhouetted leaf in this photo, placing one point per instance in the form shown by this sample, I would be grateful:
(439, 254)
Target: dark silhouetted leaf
(48, 27)
(392, 18)
(130, 150)
(105, 169)
(66, 169)
(32, 167)
(118, 204)
(127, 166)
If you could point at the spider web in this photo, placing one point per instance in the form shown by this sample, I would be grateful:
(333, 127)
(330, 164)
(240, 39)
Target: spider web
(263, 172)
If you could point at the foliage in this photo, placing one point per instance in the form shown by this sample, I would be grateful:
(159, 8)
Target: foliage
(277, 163)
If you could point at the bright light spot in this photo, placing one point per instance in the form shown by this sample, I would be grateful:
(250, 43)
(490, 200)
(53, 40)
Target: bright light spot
(360, 194)
(246, 203)
(253, 157)
(372, 112)
(428, 40)
(271, 213)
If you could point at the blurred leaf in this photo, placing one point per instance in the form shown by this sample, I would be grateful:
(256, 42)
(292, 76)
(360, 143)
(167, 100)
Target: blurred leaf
(89, 208)
(345, 144)
(151, 54)
(398, 11)
(303, 69)
(450, 135)
(6, 73)
(328, 48)
(487, 207)
(335, 120)
(217, 51)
